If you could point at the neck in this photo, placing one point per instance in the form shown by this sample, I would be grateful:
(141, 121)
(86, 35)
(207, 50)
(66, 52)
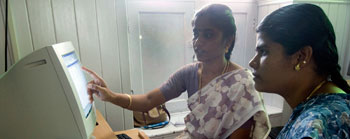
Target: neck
(331, 88)
(214, 66)
(302, 90)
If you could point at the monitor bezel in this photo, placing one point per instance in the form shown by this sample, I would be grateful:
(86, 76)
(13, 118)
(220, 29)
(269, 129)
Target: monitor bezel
(58, 50)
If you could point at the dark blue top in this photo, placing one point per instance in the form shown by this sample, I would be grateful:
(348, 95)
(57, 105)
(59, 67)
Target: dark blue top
(325, 116)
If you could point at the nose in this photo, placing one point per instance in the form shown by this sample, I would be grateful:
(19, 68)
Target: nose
(197, 42)
(254, 62)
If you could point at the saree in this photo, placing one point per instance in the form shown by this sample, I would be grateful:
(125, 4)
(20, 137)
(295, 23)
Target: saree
(224, 105)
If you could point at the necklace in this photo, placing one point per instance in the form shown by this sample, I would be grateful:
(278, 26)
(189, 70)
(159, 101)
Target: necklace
(316, 88)
(200, 77)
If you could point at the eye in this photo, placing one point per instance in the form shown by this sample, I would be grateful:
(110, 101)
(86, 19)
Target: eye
(263, 52)
(208, 35)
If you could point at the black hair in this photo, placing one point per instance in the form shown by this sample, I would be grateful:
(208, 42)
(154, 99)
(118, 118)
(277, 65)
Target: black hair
(220, 16)
(299, 25)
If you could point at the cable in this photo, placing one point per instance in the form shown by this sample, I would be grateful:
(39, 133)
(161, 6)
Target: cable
(6, 30)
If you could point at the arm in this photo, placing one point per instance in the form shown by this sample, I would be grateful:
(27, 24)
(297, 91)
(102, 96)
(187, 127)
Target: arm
(142, 102)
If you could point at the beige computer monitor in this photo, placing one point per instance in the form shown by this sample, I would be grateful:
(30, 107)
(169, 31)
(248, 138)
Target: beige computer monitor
(44, 96)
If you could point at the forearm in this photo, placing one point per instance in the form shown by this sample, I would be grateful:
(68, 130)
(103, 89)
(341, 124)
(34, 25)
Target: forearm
(142, 102)
(138, 103)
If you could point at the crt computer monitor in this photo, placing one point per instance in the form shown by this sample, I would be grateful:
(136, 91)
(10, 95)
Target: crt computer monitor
(44, 95)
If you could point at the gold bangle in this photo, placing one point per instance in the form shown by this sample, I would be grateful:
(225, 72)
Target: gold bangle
(130, 101)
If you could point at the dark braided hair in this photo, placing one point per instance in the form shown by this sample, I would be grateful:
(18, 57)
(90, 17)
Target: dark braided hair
(220, 16)
(299, 25)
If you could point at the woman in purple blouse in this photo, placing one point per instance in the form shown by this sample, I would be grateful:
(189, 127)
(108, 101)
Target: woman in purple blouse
(222, 98)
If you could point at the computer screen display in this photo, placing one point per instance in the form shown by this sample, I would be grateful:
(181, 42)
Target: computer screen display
(74, 68)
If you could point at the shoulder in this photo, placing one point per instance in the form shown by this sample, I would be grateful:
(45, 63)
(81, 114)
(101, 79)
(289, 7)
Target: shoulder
(186, 70)
(242, 71)
(326, 107)
(240, 76)
(241, 85)
(324, 118)
(330, 103)
(189, 67)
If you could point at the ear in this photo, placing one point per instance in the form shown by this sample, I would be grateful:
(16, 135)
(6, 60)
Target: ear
(302, 57)
(229, 42)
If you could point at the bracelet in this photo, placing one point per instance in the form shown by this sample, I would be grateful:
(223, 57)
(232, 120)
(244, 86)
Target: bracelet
(130, 101)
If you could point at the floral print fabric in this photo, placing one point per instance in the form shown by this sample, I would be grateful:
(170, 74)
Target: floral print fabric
(224, 105)
(324, 116)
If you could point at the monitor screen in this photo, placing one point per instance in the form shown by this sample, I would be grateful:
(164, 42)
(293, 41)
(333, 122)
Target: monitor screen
(74, 69)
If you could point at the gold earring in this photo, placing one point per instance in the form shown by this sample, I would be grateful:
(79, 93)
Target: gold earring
(297, 67)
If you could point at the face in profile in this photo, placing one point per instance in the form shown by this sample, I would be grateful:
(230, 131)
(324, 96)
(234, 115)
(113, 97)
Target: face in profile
(208, 41)
(272, 68)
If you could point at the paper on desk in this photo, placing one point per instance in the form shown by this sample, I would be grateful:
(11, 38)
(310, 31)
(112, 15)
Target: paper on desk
(177, 120)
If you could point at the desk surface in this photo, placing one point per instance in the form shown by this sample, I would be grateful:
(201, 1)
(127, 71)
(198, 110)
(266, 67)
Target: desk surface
(133, 133)
(104, 131)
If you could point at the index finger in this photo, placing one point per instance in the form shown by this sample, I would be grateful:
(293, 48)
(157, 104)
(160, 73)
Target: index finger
(91, 73)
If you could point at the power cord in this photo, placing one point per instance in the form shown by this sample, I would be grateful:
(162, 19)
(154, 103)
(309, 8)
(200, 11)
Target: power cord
(6, 30)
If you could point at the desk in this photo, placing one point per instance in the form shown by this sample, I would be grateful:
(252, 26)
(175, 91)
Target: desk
(104, 131)
(133, 133)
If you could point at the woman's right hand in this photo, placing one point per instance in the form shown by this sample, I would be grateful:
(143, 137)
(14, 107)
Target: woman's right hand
(96, 79)
(98, 87)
